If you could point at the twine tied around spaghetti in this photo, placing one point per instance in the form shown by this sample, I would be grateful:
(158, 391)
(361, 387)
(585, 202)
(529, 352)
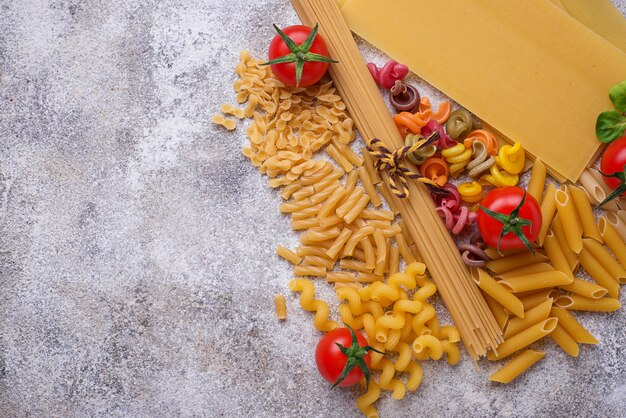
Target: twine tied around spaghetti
(391, 162)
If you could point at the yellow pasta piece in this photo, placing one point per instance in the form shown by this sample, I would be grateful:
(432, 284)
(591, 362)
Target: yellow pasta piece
(531, 317)
(537, 179)
(559, 233)
(307, 303)
(387, 382)
(452, 352)
(599, 273)
(613, 240)
(535, 298)
(511, 158)
(227, 123)
(586, 289)
(580, 303)
(338, 244)
(565, 341)
(523, 339)
(281, 307)
(415, 376)
(368, 184)
(299, 224)
(288, 255)
(340, 277)
(515, 261)
(471, 192)
(569, 220)
(502, 317)
(585, 214)
(517, 366)
(605, 259)
(548, 209)
(355, 211)
(365, 402)
(572, 326)
(339, 158)
(556, 255)
(309, 271)
(428, 344)
(531, 268)
(536, 281)
(487, 284)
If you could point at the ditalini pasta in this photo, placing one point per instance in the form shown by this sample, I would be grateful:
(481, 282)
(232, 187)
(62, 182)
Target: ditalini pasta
(569, 220)
(517, 366)
(281, 307)
(523, 339)
(572, 326)
(501, 294)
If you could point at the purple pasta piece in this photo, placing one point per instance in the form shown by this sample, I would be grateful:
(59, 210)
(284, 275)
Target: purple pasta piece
(473, 256)
(444, 139)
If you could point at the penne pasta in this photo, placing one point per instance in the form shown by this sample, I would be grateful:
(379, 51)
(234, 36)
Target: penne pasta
(309, 271)
(531, 317)
(503, 296)
(599, 273)
(556, 255)
(339, 158)
(605, 259)
(515, 261)
(517, 366)
(338, 244)
(523, 339)
(548, 209)
(370, 189)
(569, 220)
(313, 260)
(580, 303)
(559, 233)
(536, 281)
(618, 224)
(565, 341)
(368, 163)
(340, 277)
(585, 214)
(585, 288)
(572, 326)
(613, 240)
(502, 317)
(595, 189)
(531, 268)
(531, 300)
(537, 180)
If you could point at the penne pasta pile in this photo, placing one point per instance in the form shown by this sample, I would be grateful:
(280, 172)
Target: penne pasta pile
(532, 296)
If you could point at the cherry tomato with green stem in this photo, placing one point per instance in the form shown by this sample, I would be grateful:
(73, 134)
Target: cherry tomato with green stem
(298, 56)
(613, 168)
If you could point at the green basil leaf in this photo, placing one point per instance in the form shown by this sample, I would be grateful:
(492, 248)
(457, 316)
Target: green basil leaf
(610, 126)
(618, 96)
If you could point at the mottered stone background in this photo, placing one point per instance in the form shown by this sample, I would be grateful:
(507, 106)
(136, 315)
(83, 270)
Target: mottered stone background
(137, 266)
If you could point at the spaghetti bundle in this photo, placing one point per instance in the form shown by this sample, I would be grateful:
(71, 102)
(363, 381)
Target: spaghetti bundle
(477, 325)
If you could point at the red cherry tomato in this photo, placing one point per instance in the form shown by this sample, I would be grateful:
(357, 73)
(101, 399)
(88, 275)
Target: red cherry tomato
(614, 161)
(312, 71)
(331, 361)
(504, 200)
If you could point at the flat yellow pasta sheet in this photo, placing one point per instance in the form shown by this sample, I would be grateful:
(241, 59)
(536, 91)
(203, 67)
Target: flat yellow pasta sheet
(532, 72)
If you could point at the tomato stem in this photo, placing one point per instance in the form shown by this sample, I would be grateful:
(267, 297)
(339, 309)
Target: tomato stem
(355, 354)
(621, 176)
(299, 53)
(511, 223)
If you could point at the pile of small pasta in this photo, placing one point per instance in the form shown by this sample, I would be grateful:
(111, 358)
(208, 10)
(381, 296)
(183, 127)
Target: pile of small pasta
(348, 239)
(532, 295)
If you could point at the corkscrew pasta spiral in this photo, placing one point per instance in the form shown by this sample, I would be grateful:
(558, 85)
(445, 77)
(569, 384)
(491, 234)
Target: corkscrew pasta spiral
(386, 380)
(458, 157)
(308, 303)
(365, 402)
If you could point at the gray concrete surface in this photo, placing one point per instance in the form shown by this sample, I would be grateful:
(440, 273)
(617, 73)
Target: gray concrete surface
(137, 270)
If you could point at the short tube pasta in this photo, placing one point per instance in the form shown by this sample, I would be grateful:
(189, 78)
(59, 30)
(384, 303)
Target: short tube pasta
(585, 213)
(565, 341)
(517, 366)
(288, 255)
(531, 317)
(599, 273)
(523, 339)
(515, 261)
(536, 281)
(569, 220)
(537, 180)
(585, 288)
(605, 259)
(531, 268)
(487, 284)
(548, 209)
(281, 307)
(556, 255)
(497, 310)
(580, 303)
(428, 344)
(613, 240)
(572, 326)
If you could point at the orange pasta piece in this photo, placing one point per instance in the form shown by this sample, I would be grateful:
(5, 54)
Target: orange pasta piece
(443, 113)
(485, 137)
(411, 122)
(435, 169)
